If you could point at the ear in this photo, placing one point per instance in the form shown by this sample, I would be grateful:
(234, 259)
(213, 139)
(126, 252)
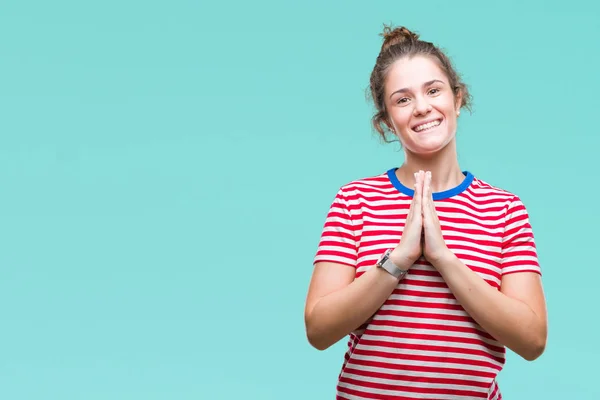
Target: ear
(458, 102)
(458, 98)
(389, 125)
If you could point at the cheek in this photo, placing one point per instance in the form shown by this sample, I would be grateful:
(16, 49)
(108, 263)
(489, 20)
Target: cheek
(452, 124)
(401, 118)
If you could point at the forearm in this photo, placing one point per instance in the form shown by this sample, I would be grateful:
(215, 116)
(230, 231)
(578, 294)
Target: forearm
(339, 313)
(512, 322)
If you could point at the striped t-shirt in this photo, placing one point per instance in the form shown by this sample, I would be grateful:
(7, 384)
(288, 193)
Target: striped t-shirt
(421, 344)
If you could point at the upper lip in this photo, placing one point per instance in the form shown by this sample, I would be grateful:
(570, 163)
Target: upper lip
(425, 122)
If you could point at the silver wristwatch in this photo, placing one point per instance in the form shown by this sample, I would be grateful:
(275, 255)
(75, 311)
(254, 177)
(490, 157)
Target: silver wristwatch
(386, 263)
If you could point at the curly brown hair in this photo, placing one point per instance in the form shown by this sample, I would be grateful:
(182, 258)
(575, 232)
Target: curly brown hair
(400, 43)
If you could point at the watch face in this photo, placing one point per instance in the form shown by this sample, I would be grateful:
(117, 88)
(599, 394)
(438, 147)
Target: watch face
(383, 259)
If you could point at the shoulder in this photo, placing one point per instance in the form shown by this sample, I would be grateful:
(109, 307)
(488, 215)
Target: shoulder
(369, 185)
(492, 194)
(354, 195)
(484, 188)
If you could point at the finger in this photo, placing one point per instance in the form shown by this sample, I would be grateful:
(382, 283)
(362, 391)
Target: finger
(431, 203)
(413, 203)
(427, 196)
(418, 196)
(425, 193)
(418, 184)
(411, 208)
(414, 199)
(421, 208)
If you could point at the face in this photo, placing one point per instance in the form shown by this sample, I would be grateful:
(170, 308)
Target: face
(421, 105)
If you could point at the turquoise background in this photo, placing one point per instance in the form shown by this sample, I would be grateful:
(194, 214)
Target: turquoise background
(166, 168)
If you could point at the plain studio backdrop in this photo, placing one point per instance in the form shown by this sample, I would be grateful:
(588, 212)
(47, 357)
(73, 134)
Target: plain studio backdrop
(166, 168)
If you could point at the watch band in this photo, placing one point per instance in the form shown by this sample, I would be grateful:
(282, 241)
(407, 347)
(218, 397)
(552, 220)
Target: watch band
(386, 263)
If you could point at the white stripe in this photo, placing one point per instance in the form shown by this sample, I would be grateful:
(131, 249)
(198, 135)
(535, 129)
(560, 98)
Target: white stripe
(418, 320)
(407, 341)
(417, 363)
(398, 353)
(423, 331)
(338, 259)
(413, 384)
(436, 311)
(408, 372)
(442, 301)
(399, 392)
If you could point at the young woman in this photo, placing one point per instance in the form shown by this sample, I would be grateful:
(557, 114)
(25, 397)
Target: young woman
(431, 271)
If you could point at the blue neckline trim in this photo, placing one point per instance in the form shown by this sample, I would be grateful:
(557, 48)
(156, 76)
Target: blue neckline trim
(437, 195)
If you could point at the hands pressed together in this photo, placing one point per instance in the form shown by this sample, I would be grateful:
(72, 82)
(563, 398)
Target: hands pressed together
(422, 233)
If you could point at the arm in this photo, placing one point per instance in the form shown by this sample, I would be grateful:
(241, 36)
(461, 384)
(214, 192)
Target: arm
(515, 315)
(337, 303)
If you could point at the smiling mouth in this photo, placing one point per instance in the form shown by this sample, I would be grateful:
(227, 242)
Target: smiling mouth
(427, 125)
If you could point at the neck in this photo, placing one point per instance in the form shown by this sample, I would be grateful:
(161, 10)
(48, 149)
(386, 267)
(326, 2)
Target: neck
(445, 171)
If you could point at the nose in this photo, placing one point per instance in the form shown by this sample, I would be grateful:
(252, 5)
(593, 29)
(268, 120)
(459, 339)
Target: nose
(422, 106)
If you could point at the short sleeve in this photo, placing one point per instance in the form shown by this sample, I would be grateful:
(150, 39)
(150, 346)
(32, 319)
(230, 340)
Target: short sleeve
(338, 237)
(519, 253)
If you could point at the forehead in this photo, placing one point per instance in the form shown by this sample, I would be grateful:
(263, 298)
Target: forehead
(412, 72)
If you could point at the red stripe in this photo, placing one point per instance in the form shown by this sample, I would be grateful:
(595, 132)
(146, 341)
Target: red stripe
(421, 368)
(457, 351)
(413, 378)
(426, 337)
(405, 388)
(423, 315)
(422, 304)
(426, 358)
(421, 325)
(366, 395)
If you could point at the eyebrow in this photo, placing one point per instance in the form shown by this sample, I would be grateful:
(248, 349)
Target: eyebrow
(403, 90)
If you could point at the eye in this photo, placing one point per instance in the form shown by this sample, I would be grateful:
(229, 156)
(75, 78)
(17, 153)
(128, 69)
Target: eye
(434, 91)
(402, 100)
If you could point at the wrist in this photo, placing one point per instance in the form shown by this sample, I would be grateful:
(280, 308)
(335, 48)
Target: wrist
(401, 260)
(445, 259)
(386, 263)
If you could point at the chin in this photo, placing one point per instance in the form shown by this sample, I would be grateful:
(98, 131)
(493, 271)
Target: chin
(430, 147)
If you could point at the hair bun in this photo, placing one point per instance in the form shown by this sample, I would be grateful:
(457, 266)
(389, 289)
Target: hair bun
(395, 36)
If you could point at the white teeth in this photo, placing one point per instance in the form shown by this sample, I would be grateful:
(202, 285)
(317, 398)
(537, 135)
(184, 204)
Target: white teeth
(427, 125)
